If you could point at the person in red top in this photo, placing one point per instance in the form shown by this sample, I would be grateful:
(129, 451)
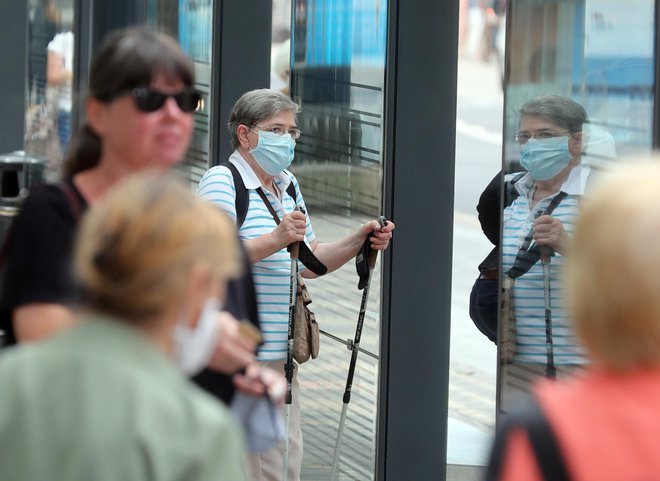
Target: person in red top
(605, 420)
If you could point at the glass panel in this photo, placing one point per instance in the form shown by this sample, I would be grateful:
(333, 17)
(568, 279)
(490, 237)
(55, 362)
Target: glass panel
(338, 77)
(50, 74)
(596, 57)
(473, 356)
(192, 23)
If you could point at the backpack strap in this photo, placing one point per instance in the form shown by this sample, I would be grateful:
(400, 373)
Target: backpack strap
(242, 195)
(291, 190)
(75, 204)
(531, 418)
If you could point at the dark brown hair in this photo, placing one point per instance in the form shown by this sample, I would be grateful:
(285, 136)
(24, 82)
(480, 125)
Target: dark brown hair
(127, 59)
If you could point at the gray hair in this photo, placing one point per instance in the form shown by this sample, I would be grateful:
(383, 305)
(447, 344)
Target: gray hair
(255, 106)
(560, 110)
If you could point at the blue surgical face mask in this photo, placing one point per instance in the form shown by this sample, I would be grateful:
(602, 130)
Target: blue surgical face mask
(545, 158)
(273, 152)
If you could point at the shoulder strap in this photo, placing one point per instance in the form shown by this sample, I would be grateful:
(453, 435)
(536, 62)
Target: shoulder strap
(305, 254)
(530, 417)
(527, 257)
(269, 206)
(72, 199)
(242, 195)
(510, 192)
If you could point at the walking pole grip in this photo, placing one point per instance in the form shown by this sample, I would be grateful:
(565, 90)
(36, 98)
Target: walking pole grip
(546, 254)
(294, 249)
(373, 253)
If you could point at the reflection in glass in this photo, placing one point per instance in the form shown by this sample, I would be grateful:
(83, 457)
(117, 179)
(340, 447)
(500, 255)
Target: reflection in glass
(192, 24)
(338, 74)
(50, 74)
(579, 94)
(539, 214)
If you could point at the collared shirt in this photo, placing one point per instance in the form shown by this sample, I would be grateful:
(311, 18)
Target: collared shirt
(528, 290)
(272, 274)
(100, 402)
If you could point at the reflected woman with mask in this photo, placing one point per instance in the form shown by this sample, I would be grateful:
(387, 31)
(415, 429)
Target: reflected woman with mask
(107, 399)
(536, 228)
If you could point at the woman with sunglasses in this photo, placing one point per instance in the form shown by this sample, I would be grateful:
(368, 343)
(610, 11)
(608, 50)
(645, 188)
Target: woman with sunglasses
(139, 109)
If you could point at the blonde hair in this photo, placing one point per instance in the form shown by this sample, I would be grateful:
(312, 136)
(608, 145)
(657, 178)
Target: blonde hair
(613, 273)
(137, 247)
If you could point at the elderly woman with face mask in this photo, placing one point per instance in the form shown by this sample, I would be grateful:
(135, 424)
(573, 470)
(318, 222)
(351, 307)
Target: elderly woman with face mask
(536, 228)
(263, 132)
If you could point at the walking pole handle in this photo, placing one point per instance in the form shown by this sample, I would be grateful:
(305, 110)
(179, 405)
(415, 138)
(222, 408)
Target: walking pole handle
(294, 249)
(373, 254)
(546, 254)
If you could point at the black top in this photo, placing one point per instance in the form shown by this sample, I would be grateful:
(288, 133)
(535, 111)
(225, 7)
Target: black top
(38, 268)
(38, 256)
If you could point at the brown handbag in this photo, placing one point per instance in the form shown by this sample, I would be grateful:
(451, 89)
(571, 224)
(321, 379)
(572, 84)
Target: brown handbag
(306, 339)
(305, 329)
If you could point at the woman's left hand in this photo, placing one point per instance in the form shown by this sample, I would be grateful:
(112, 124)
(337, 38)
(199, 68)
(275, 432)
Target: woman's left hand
(381, 236)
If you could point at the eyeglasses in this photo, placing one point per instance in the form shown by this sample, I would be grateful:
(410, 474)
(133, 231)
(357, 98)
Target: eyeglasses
(523, 137)
(294, 133)
(150, 100)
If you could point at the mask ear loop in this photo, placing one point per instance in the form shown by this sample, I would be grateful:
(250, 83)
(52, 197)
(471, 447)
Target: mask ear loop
(250, 149)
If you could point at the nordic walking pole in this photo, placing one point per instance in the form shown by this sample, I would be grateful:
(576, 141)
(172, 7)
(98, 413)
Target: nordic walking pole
(550, 371)
(354, 347)
(288, 367)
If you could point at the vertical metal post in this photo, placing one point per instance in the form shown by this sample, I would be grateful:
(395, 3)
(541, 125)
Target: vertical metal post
(93, 20)
(656, 89)
(241, 62)
(13, 73)
(419, 197)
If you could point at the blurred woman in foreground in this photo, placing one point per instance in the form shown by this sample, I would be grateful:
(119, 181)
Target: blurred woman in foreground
(606, 420)
(106, 400)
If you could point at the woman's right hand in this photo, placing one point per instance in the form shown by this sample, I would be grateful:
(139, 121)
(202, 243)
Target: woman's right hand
(258, 380)
(291, 229)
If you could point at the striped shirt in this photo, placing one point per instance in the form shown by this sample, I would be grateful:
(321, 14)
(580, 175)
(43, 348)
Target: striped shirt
(528, 290)
(272, 274)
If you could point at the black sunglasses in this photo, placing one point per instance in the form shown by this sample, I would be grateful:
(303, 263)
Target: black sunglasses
(150, 100)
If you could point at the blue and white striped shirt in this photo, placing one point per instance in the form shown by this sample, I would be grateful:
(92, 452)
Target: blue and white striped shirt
(272, 274)
(528, 290)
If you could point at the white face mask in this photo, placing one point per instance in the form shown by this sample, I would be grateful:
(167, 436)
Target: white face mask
(194, 346)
